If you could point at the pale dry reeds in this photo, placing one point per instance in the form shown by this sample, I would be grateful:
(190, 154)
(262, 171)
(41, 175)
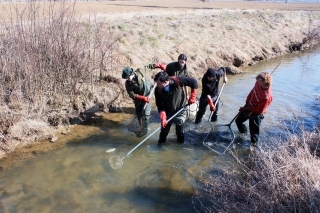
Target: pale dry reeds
(281, 177)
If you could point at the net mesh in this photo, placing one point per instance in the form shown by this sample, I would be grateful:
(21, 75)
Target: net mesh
(219, 139)
(115, 162)
(138, 126)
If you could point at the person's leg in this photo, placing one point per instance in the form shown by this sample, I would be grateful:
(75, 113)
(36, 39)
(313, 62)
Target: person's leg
(254, 127)
(164, 133)
(202, 109)
(242, 117)
(179, 121)
(147, 113)
(180, 133)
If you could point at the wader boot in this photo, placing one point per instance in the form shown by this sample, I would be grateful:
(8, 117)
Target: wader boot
(214, 117)
(180, 134)
(161, 140)
(198, 118)
(144, 126)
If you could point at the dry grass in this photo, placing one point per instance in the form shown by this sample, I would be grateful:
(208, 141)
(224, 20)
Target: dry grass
(280, 177)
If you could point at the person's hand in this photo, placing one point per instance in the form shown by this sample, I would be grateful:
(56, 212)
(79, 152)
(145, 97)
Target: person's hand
(225, 79)
(193, 96)
(210, 102)
(143, 98)
(151, 66)
(163, 118)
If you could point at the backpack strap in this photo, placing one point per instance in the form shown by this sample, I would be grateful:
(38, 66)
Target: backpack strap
(176, 81)
(143, 78)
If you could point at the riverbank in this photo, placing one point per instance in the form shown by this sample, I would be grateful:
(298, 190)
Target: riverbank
(230, 34)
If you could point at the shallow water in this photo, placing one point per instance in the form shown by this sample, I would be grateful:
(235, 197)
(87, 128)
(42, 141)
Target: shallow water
(79, 178)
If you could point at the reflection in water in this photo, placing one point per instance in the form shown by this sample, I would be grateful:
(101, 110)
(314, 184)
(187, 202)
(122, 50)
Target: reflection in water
(79, 178)
(162, 184)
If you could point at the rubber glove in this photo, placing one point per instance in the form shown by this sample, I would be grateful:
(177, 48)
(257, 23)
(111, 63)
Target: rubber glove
(142, 98)
(193, 96)
(163, 118)
(161, 66)
(210, 102)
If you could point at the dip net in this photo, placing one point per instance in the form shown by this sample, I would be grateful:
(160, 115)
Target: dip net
(138, 126)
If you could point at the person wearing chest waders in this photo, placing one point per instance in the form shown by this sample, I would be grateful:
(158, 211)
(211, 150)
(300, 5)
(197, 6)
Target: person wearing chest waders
(179, 69)
(138, 88)
(210, 90)
(170, 98)
(257, 102)
(176, 68)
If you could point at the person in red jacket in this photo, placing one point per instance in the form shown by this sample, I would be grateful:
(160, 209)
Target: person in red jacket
(256, 105)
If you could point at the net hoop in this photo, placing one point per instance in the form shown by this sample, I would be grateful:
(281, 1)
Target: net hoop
(115, 162)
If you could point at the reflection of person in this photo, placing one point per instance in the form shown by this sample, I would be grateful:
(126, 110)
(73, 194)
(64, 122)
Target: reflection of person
(170, 98)
(256, 105)
(176, 68)
(138, 87)
(210, 92)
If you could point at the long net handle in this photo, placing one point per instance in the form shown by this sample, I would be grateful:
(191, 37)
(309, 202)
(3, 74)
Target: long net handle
(275, 68)
(224, 83)
(154, 132)
(150, 94)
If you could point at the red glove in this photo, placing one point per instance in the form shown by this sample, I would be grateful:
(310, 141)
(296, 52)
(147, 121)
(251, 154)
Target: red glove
(142, 98)
(161, 66)
(163, 118)
(210, 102)
(193, 96)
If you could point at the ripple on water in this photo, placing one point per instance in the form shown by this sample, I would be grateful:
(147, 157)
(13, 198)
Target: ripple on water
(165, 184)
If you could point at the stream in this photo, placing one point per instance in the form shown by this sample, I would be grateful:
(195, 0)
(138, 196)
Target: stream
(79, 178)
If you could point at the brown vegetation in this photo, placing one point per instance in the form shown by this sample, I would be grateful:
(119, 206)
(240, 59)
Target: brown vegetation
(277, 178)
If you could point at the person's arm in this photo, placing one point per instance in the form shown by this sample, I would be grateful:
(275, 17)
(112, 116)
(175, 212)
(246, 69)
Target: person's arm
(223, 72)
(161, 109)
(159, 101)
(190, 82)
(130, 92)
(157, 65)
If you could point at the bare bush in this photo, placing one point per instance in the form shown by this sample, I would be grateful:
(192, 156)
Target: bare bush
(47, 54)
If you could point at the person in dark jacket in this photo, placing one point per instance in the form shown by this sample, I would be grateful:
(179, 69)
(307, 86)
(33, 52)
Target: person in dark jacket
(176, 68)
(257, 102)
(210, 92)
(138, 87)
(170, 98)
